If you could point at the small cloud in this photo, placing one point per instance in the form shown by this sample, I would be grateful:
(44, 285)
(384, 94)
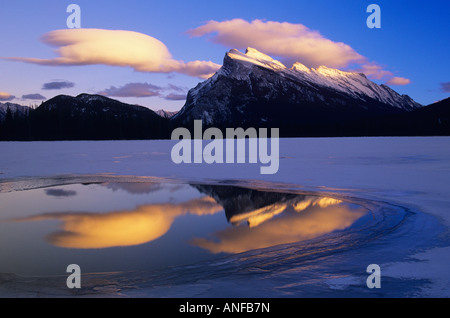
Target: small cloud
(133, 90)
(169, 92)
(176, 97)
(373, 71)
(398, 81)
(34, 97)
(58, 85)
(445, 87)
(176, 88)
(6, 97)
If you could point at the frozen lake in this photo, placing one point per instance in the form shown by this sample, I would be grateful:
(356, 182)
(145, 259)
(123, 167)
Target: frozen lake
(388, 204)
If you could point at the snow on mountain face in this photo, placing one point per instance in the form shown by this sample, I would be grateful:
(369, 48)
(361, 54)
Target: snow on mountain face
(166, 114)
(355, 84)
(13, 107)
(255, 90)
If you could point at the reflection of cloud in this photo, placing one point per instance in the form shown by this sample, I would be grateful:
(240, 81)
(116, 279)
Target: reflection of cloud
(290, 42)
(58, 85)
(122, 228)
(60, 192)
(134, 187)
(139, 51)
(288, 228)
(6, 97)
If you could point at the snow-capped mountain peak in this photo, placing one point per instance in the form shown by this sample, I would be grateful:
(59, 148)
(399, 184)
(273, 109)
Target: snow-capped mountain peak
(300, 67)
(355, 84)
(254, 57)
(254, 89)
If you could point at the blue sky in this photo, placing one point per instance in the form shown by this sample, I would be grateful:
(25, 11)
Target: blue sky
(411, 45)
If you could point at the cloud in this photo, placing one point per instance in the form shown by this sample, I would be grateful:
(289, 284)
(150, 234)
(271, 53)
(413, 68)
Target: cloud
(58, 85)
(445, 87)
(292, 42)
(6, 97)
(34, 97)
(176, 88)
(176, 97)
(398, 81)
(373, 70)
(289, 42)
(132, 90)
(140, 90)
(121, 48)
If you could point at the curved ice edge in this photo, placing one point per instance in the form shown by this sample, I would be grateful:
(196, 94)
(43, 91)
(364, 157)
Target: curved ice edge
(199, 278)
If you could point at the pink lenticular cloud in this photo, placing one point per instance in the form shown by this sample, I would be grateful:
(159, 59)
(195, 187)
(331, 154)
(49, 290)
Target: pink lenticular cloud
(292, 42)
(289, 42)
(139, 51)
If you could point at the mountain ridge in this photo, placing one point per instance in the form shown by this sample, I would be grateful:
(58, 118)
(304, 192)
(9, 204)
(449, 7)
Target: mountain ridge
(254, 90)
(249, 90)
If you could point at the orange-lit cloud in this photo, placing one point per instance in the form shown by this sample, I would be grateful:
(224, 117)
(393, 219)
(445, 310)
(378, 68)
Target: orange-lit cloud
(6, 97)
(121, 228)
(139, 51)
(398, 81)
(292, 227)
(289, 42)
(294, 42)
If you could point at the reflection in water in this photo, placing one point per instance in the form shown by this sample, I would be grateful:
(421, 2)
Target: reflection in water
(134, 187)
(281, 224)
(122, 228)
(60, 193)
(259, 219)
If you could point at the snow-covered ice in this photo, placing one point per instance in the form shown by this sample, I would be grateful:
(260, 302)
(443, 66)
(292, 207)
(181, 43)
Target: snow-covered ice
(410, 172)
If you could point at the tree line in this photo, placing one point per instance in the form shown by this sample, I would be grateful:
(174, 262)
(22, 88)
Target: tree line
(63, 123)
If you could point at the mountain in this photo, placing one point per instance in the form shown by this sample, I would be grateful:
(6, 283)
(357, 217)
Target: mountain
(87, 117)
(254, 90)
(15, 109)
(165, 114)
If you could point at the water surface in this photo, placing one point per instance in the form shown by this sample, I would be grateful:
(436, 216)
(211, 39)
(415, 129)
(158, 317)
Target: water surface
(124, 226)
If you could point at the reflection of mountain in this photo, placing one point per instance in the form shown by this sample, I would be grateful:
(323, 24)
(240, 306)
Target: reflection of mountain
(283, 223)
(237, 200)
(260, 219)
